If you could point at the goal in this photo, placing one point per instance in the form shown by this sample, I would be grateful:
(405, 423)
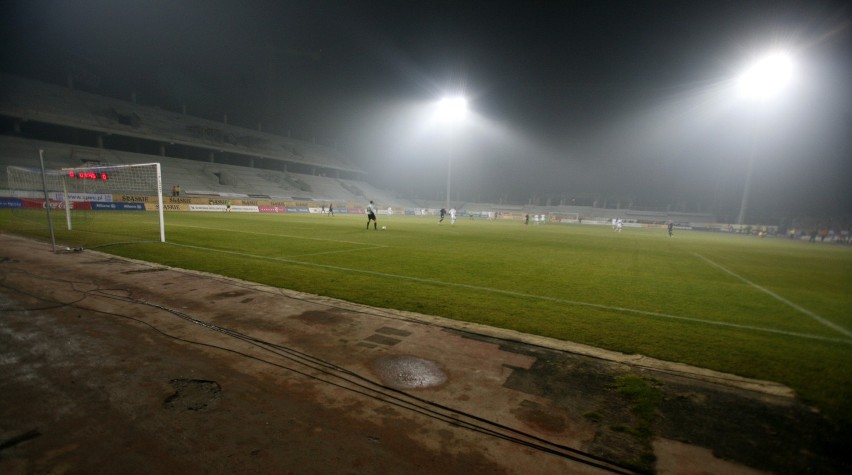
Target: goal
(99, 205)
(564, 217)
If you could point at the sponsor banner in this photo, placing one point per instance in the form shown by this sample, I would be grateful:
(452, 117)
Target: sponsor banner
(34, 203)
(220, 208)
(112, 206)
(218, 201)
(291, 204)
(271, 209)
(192, 203)
(167, 207)
(31, 203)
(11, 203)
(508, 215)
(244, 209)
(223, 208)
(180, 200)
(83, 197)
(134, 199)
(419, 212)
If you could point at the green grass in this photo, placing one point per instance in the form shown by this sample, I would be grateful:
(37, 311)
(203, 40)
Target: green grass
(644, 397)
(633, 292)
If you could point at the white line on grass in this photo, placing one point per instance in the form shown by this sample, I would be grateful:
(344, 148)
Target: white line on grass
(781, 299)
(272, 234)
(523, 295)
(357, 249)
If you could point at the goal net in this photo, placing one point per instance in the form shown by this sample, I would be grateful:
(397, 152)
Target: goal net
(563, 218)
(89, 206)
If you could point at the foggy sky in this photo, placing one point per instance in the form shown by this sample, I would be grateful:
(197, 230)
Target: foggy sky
(628, 99)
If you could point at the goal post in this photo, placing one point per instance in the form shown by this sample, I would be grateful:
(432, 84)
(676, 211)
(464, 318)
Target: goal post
(143, 179)
(116, 202)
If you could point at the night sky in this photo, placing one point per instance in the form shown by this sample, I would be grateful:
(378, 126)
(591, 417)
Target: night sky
(631, 99)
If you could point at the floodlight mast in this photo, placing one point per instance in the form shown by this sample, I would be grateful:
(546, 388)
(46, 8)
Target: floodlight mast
(452, 110)
(761, 82)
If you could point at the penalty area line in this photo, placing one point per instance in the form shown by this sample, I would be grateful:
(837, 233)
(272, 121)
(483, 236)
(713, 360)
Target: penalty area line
(523, 295)
(781, 299)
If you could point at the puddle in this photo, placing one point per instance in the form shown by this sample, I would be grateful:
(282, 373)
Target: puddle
(408, 372)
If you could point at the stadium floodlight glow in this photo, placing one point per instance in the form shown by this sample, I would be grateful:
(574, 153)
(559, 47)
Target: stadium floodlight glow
(762, 81)
(451, 110)
(767, 76)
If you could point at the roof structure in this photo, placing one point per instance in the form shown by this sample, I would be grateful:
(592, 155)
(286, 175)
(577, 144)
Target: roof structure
(30, 100)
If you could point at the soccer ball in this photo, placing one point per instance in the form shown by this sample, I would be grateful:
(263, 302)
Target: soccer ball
(384, 227)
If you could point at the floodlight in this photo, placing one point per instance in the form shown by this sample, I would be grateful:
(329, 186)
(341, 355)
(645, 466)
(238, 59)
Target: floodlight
(452, 108)
(762, 81)
(767, 76)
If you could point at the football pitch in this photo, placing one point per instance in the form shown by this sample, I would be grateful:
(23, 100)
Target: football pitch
(766, 308)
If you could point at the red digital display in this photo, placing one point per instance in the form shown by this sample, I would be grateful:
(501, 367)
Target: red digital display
(88, 175)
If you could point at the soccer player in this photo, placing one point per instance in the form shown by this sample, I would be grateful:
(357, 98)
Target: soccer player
(670, 225)
(331, 209)
(443, 213)
(371, 216)
(452, 216)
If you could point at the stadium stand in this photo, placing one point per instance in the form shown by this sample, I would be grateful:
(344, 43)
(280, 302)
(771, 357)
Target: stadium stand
(209, 158)
(220, 158)
(25, 100)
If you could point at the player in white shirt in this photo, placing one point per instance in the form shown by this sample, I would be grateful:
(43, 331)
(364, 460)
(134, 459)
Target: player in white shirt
(371, 215)
(452, 216)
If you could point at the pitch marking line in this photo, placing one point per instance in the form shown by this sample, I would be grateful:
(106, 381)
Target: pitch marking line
(357, 249)
(274, 235)
(781, 299)
(523, 295)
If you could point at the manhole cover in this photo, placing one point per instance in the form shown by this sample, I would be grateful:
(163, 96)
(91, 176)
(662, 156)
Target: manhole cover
(408, 372)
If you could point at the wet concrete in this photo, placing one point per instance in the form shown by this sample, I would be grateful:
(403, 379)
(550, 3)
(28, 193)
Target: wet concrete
(183, 371)
(193, 395)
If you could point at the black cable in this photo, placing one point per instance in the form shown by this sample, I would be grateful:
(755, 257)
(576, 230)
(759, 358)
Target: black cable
(396, 397)
(294, 354)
